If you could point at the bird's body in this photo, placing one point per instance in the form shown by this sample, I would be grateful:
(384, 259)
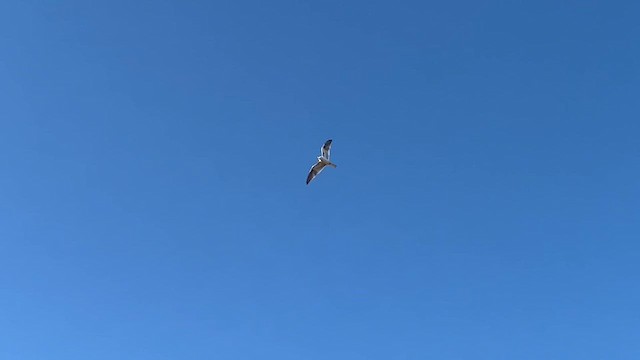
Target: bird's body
(323, 160)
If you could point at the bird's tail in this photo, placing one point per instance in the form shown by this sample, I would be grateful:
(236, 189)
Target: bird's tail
(333, 165)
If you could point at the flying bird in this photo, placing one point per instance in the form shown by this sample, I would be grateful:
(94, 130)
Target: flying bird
(323, 160)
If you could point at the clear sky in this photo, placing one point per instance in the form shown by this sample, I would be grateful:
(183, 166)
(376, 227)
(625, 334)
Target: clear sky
(153, 157)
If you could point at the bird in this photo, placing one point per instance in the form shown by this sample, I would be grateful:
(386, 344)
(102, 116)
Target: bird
(323, 160)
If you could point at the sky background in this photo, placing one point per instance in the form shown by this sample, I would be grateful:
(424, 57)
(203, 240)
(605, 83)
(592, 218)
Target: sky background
(153, 157)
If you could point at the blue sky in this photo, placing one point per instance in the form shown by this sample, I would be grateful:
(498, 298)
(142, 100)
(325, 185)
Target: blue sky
(154, 154)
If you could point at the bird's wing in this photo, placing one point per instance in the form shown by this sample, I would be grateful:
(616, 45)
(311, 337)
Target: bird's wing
(326, 149)
(315, 170)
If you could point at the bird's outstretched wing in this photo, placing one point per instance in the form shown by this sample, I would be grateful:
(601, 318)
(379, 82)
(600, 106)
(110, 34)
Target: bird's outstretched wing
(326, 149)
(315, 170)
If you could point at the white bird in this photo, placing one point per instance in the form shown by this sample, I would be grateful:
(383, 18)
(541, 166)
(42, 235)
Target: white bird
(323, 160)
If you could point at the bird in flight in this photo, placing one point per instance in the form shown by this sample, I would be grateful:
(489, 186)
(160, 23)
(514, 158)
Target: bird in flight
(323, 160)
